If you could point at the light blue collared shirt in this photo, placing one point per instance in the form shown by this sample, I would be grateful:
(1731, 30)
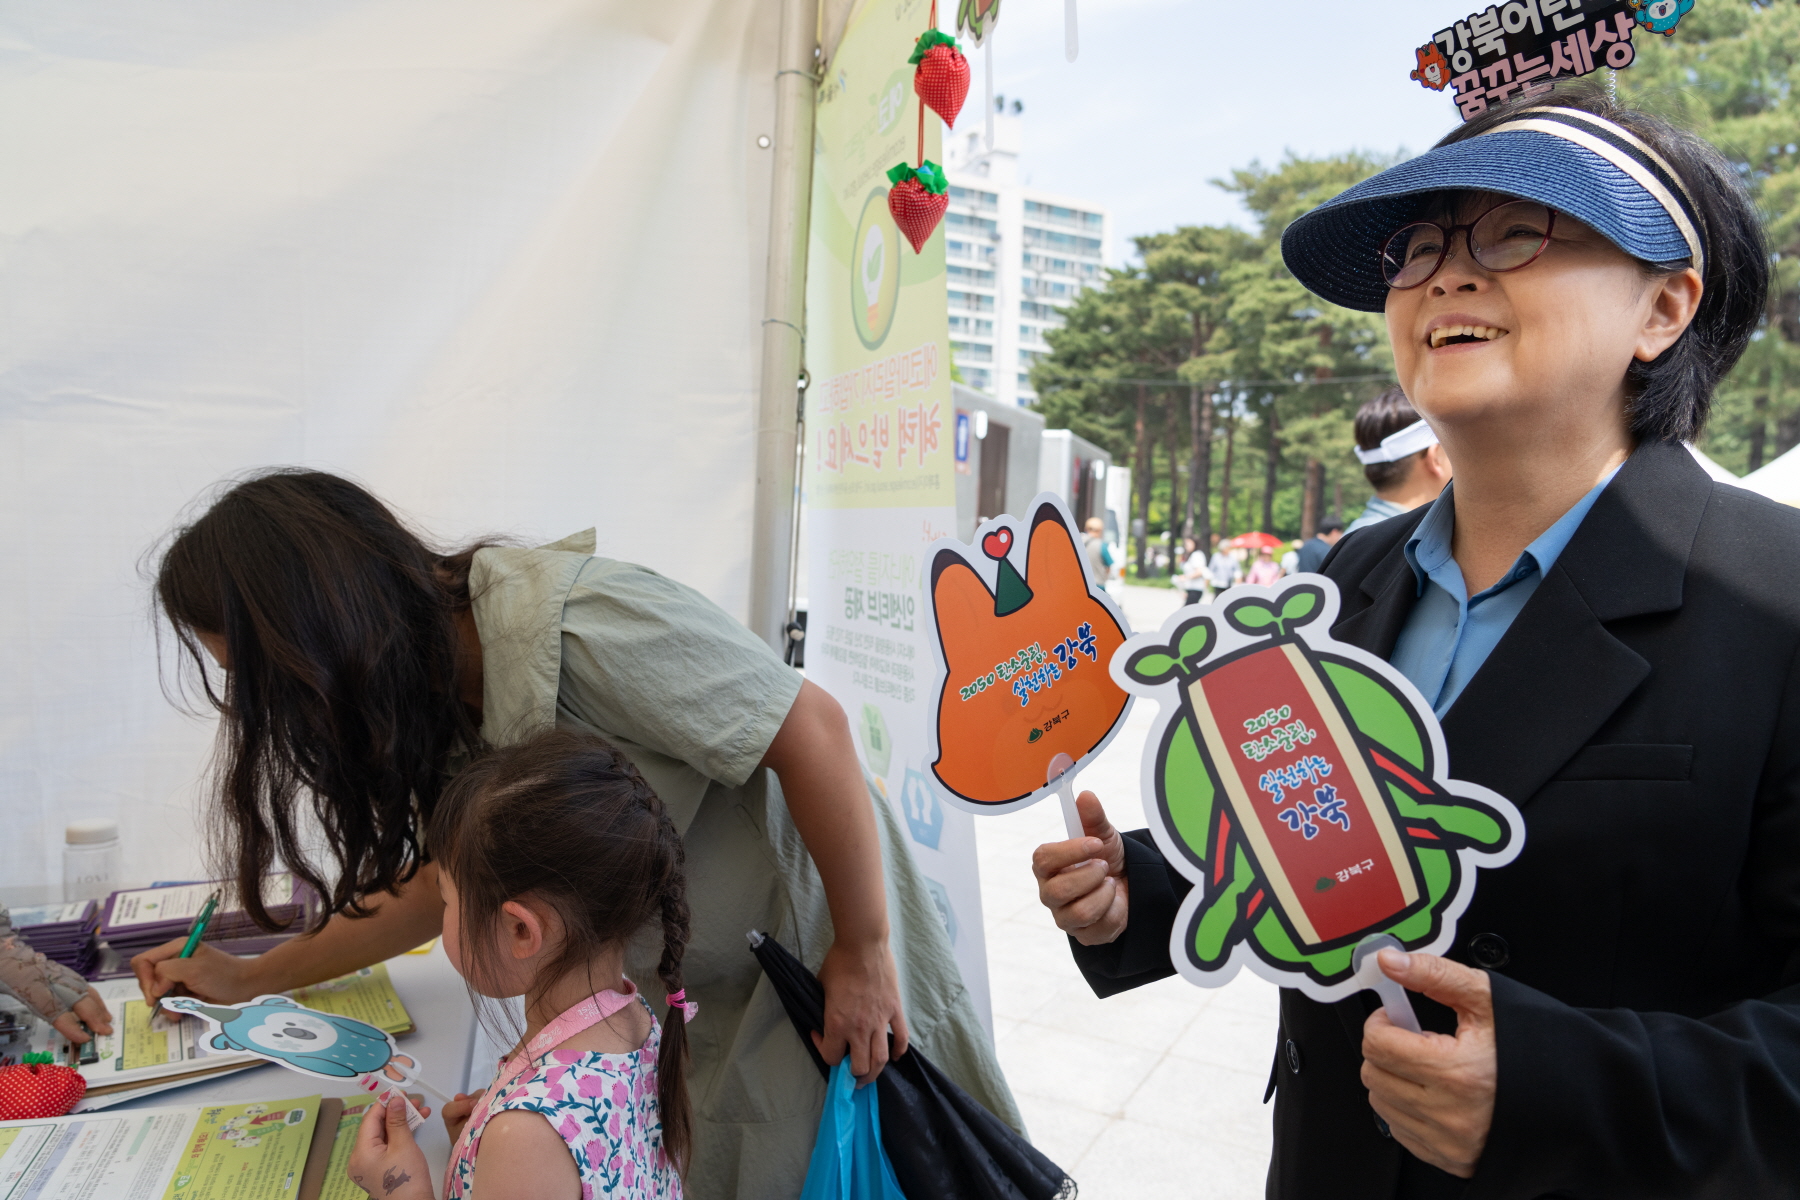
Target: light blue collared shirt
(1376, 511)
(1449, 633)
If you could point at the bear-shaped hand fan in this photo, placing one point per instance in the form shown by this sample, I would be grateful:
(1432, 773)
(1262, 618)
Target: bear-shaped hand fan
(1023, 635)
(1303, 785)
(308, 1041)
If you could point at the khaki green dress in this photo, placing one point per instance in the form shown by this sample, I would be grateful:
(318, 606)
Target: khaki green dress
(694, 698)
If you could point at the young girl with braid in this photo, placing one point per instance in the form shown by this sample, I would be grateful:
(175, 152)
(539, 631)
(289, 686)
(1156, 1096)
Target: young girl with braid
(552, 855)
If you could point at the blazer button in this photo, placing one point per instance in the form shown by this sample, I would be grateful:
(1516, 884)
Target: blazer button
(1490, 950)
(1293, 1057)
(1382, 1126)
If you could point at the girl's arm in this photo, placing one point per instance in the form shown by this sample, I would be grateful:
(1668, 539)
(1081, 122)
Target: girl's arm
(815, 759)
(399, 922)
(522, 1157)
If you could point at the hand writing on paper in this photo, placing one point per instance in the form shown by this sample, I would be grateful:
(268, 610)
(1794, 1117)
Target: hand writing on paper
(385, 1150)
(1435, 1092)
(211, 974)
(1082, 881)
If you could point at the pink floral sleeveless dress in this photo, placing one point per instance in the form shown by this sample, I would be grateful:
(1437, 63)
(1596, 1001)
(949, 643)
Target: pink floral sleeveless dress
(604, 1105)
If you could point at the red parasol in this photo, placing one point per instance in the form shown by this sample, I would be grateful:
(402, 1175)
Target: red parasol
(1252, 541)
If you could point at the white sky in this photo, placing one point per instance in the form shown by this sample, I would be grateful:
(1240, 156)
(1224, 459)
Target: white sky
(1167, 94)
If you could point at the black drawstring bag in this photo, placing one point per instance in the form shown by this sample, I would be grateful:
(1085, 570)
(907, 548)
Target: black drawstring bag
(943, 1144)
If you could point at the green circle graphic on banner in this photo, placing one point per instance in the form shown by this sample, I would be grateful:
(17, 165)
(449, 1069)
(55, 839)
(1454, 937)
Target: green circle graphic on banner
(875, 270)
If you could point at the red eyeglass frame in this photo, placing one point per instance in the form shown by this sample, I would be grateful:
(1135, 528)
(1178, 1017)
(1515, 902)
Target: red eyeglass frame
(1468, 232)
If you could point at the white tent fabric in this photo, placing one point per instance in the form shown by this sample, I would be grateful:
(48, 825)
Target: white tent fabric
(1709, 466)
(1779, 480)
(503, 262)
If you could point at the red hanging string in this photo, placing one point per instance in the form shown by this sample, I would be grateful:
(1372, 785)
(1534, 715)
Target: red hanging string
(921, 102)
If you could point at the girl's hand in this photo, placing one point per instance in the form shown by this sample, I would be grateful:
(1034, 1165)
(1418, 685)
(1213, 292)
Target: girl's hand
(212, 974)
(862, 1002)
(456, 1113)
(387, 1162)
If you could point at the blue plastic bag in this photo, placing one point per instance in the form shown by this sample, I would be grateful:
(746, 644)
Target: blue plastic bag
(848, 1162)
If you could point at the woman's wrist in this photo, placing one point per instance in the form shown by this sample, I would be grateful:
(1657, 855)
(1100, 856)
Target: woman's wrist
(259, 977)
(279, 970)
(862, 942)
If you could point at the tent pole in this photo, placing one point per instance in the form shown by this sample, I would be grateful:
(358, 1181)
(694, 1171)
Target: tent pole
(784, 318)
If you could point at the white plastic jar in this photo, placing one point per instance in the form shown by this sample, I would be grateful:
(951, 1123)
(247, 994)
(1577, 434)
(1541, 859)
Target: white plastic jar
(91, 859)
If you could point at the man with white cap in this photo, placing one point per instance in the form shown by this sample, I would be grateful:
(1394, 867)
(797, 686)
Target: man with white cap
(1400, 456)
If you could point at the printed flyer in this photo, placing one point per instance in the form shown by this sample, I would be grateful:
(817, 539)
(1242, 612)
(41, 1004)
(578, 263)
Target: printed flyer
(211, 1152)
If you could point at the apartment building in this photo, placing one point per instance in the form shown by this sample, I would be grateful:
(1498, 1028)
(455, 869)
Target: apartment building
(1016, 257)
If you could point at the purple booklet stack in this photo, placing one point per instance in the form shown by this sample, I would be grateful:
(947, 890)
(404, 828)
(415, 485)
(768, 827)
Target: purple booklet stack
(138, 920)
(63, 933)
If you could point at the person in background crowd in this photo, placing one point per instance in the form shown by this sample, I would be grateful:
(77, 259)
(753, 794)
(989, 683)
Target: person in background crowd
(1222, 568)
(1290, 560)
(1314, 549)
(1400, 456)
(1265, 571)
(1099, 554)
(1192, 579)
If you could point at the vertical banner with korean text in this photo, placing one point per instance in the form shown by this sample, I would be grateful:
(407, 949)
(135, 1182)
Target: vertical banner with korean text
(879, 479)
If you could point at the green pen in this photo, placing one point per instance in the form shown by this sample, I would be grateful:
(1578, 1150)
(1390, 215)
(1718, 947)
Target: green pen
(196, 931)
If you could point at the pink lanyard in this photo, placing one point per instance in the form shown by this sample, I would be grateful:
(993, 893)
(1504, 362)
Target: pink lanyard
(586, 1015)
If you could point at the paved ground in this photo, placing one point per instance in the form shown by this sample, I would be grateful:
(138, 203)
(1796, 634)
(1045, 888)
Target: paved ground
(1155, 1094)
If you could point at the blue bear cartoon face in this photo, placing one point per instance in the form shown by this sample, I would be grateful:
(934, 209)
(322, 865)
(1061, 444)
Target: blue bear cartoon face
(1661, 16)
(275, 1028)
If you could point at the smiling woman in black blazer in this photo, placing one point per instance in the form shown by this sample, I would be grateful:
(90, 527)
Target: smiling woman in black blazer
(1612, 641)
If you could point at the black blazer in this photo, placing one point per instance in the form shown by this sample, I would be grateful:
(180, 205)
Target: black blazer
(1644, 713)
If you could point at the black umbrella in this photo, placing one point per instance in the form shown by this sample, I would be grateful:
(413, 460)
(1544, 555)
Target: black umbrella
(943, 1144)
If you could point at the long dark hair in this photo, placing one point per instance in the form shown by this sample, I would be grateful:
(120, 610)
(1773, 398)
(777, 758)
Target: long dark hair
(1671, 396)
(342, 698)
(566, 819)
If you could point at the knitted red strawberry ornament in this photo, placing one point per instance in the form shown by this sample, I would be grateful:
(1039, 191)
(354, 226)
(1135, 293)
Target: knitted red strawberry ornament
(918, 200)
(942, 78)
(36, 1088)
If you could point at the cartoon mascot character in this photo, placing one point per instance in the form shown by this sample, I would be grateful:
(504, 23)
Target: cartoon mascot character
(1661, 16)
(275, 1028)
(1433, 70)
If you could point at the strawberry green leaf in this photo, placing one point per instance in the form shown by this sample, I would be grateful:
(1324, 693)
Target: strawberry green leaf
(933, 37)
(929, 174)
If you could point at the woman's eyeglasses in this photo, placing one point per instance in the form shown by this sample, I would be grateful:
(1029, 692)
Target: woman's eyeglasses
(1504, 238)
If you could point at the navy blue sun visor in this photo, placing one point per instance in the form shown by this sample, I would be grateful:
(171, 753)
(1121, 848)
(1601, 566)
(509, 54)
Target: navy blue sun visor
(1572, 161)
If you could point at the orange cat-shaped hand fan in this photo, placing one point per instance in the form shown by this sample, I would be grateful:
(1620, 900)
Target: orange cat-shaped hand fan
(1024, 657)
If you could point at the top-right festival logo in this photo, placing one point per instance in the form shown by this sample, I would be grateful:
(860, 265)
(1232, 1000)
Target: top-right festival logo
(1302, 784)
(1519, 48)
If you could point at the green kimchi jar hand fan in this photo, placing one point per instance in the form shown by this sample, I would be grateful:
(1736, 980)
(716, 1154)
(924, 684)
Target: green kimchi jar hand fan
(1302, 784)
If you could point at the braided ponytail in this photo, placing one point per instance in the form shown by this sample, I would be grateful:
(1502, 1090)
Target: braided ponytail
(566, 817)
(671, 1063)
